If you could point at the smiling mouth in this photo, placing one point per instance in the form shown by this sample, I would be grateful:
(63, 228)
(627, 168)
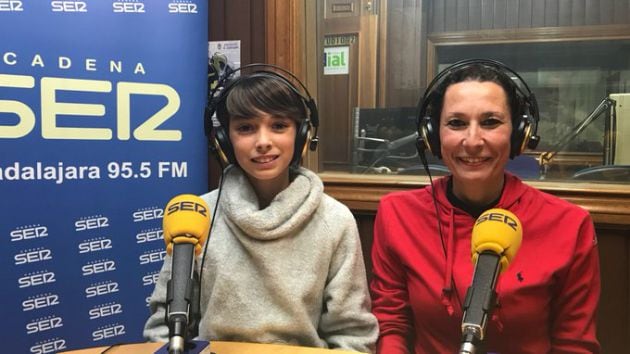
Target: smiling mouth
(473, 160)
(264, 159)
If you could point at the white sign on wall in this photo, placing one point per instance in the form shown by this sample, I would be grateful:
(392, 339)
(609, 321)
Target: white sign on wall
(336, 60)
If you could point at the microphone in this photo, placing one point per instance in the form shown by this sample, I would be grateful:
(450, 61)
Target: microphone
(496, 237)
(186, 225)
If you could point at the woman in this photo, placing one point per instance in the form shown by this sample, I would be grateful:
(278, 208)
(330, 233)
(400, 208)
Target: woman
(284, 261)
(477, 117)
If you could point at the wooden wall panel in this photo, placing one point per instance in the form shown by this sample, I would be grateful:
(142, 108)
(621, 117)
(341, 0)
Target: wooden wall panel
(474, 15)
(242, 20)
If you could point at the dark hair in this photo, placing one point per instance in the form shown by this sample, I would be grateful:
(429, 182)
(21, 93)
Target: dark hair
(260, 92)
(480, 73)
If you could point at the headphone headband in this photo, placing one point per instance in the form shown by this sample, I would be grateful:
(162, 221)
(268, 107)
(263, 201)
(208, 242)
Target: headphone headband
(525, 128)
(219, 135)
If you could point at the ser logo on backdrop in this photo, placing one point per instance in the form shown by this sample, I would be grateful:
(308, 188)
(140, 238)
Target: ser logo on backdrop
(182, 7)
(128, 6)
(150, 278)
(102, 288)
(44, 324)
(146, 214)
(105, 310)
(50, 88)
(109, 331)
(37, 278)
(91, 223)
(11, 6)
(33, 255)
(95, 245)
(98, 267)
(28, 232)
(153, 256)
(149, 236)
(40, 301)
(52, 345)
(68, 6)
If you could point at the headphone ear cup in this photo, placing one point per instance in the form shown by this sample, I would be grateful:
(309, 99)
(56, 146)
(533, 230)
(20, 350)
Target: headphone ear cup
(428, 136)
(223, 146)
(301, 137)
(520, 136)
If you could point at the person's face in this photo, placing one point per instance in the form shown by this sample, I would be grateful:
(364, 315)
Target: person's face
(263, 146)
(475, 128)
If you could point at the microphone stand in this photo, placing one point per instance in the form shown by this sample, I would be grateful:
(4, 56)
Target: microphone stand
(545, 158)
(480, 301)
(184, 327)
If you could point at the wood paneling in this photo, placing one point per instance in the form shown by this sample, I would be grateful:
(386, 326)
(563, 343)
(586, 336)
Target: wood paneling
(474, 15)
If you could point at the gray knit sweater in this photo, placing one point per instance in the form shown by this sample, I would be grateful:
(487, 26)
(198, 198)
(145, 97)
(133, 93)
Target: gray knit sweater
(290, 273)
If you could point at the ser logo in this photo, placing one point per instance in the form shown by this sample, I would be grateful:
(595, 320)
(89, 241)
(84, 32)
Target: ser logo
(187, 206)
(101, 289)
(150, 279)
(95, 245)
(68, 6)
(147, 214)
(29, 232)
(182, 7)
(51, 109)
(152, 257)
(129, 6)
(150, 235)
(11, 5)
(50, 346)
(37, 278)
(98, 267)
(44, 324)
(105, 310)
(40, 302)
(504, 218)
(108, 332)
(90, 223)
(32, 256)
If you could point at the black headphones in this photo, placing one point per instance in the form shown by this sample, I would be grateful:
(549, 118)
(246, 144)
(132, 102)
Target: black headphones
(525, 127)
(219, 136)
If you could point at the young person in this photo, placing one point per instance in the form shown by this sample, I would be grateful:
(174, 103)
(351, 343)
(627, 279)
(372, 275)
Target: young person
(284, 261)
(475, 116)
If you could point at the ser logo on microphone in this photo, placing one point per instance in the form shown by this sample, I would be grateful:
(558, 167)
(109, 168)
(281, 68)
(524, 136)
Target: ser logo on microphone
(187, 206)
(504, 218)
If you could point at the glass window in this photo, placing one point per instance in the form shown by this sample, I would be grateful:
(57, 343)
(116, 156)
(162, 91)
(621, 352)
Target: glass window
(378, 57)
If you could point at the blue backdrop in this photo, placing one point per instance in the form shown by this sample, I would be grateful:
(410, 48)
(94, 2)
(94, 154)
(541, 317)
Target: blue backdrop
(101, 123)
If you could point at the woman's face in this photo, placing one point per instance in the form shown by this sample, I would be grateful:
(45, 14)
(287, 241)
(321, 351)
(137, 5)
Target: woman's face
(263, 146)
(475, 129)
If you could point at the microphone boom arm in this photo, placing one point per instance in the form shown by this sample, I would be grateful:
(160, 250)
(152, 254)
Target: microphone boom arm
(545, 158)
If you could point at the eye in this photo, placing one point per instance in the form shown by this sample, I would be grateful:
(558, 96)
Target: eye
(244, 128)
(491, 122)
(281, 124)
(456, 123)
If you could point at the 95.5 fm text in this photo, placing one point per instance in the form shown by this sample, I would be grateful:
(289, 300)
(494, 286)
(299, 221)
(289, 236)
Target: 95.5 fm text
(147, 169)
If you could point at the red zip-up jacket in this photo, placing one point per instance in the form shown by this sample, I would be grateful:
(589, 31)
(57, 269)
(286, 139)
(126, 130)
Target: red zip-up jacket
(547, 298)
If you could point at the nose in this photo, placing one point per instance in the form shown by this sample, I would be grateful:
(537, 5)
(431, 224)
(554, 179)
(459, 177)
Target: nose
(474, 137)
(263, 141)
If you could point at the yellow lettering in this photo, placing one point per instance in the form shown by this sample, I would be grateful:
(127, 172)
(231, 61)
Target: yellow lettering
(26, 115)
(51, 108)
(147, 130)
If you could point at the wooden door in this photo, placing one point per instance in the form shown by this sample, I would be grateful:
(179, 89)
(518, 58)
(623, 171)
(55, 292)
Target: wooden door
(348, 32)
